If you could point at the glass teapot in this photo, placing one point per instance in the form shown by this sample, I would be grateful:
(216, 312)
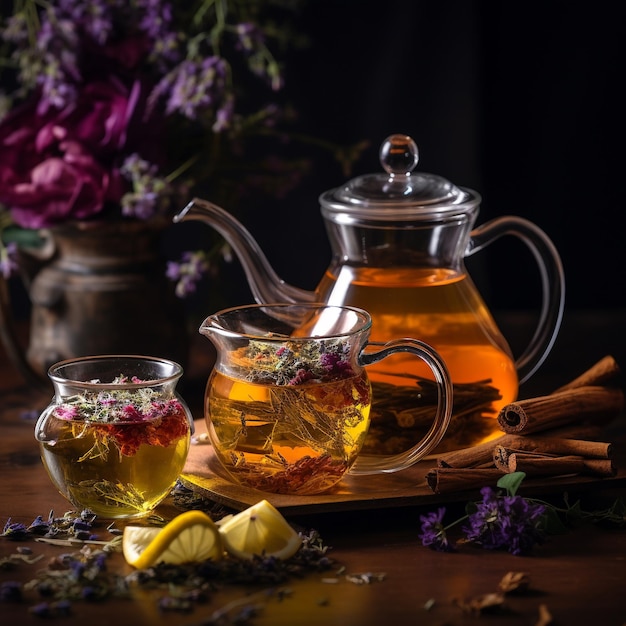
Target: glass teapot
(399, 239)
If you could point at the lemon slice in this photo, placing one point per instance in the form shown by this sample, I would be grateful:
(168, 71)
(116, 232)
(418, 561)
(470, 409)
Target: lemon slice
(259, 530)
(189, 537)
(135, 540)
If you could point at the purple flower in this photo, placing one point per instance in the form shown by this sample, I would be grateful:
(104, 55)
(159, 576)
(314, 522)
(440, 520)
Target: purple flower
(43, 609)
(8, 259)
(301, 377)
(39, 526)
(188, 272)
(335, 363)
(52, 609)
(224, 115)
(194, 86)
(505, 522)
(249, 37)
(433, 533)
(149, 191)
(10, 591)
(14, 531)
(66, 412)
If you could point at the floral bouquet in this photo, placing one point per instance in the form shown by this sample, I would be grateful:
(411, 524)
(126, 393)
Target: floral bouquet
(117, 109)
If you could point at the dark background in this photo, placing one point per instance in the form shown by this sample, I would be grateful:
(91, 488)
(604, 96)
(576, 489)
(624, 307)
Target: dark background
(521, 101)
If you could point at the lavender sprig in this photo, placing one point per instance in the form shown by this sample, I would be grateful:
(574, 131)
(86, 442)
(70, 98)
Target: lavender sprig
(503, 520)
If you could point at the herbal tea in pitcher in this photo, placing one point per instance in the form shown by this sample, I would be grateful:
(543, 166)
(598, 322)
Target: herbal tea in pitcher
(287, 404)
(115, 445)
(442, 308)
(297, 438)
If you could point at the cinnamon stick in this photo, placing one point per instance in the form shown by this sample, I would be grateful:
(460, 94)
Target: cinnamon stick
(565, 428)
(600, 404)
(538, 465)
(606, 372)
(557, 446)
(451, 479)
(475, 456)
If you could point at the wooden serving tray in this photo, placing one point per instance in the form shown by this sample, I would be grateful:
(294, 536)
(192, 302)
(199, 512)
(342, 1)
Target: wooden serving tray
(204, 475)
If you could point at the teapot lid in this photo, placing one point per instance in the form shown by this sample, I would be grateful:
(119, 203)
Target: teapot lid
(398, 192)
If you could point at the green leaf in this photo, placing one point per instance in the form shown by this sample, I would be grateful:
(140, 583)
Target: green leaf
(511, 482)
(24, 238)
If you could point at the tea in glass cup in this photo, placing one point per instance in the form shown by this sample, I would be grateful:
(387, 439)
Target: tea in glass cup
(116, 435)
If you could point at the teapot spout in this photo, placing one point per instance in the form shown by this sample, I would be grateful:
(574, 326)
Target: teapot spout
(266, 286)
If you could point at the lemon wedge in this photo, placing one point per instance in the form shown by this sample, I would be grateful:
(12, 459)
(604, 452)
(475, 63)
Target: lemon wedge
(259, 530)
(190, 537)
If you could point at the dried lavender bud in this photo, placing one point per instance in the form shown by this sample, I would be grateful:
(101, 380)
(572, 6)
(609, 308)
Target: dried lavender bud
(10, 591)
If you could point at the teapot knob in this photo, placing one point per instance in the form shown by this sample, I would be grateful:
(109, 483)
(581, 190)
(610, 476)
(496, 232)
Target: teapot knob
(398, 155)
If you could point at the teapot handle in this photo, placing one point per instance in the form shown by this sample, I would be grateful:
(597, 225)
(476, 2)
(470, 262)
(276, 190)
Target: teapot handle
(372, 464)
(552, 281)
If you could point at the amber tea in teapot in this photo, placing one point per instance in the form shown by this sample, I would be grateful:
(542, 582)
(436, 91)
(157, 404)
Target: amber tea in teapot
(399, 239)
(441, 308)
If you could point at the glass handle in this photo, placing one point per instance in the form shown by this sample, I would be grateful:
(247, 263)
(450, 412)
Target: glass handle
(552, 281)
(372, 464)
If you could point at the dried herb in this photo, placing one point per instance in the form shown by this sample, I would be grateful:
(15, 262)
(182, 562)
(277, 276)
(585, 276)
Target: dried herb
(308, 474)
(84, 575)
(71, 526)
(293, 362)
(81, 575)
(110, 493)
(297, 418)
(301, 414)
(124, 418)
(402, 414)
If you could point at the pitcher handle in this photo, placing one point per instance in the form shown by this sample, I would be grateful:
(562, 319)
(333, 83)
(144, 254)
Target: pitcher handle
(12, 347)
(372, 464)
(552, 281)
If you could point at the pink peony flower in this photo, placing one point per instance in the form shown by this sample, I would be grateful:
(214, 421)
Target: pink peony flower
(59, 166)
(99, 119)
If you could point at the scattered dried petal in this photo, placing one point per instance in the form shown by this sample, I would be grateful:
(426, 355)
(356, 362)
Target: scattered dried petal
(366, 578)
(10, 591)
(514, 582)
(486, 603)
(545, 617)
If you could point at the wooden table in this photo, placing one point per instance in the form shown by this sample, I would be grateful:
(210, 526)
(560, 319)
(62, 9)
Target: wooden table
(578, 576)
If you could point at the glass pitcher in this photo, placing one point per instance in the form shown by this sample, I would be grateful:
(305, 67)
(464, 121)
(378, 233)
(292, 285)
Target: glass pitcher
(287, 404)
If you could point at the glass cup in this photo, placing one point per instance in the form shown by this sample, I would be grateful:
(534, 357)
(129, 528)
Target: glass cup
(115, 437)
(287, 404)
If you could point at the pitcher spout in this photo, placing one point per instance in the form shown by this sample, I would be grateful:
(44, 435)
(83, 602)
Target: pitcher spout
(265, 284)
